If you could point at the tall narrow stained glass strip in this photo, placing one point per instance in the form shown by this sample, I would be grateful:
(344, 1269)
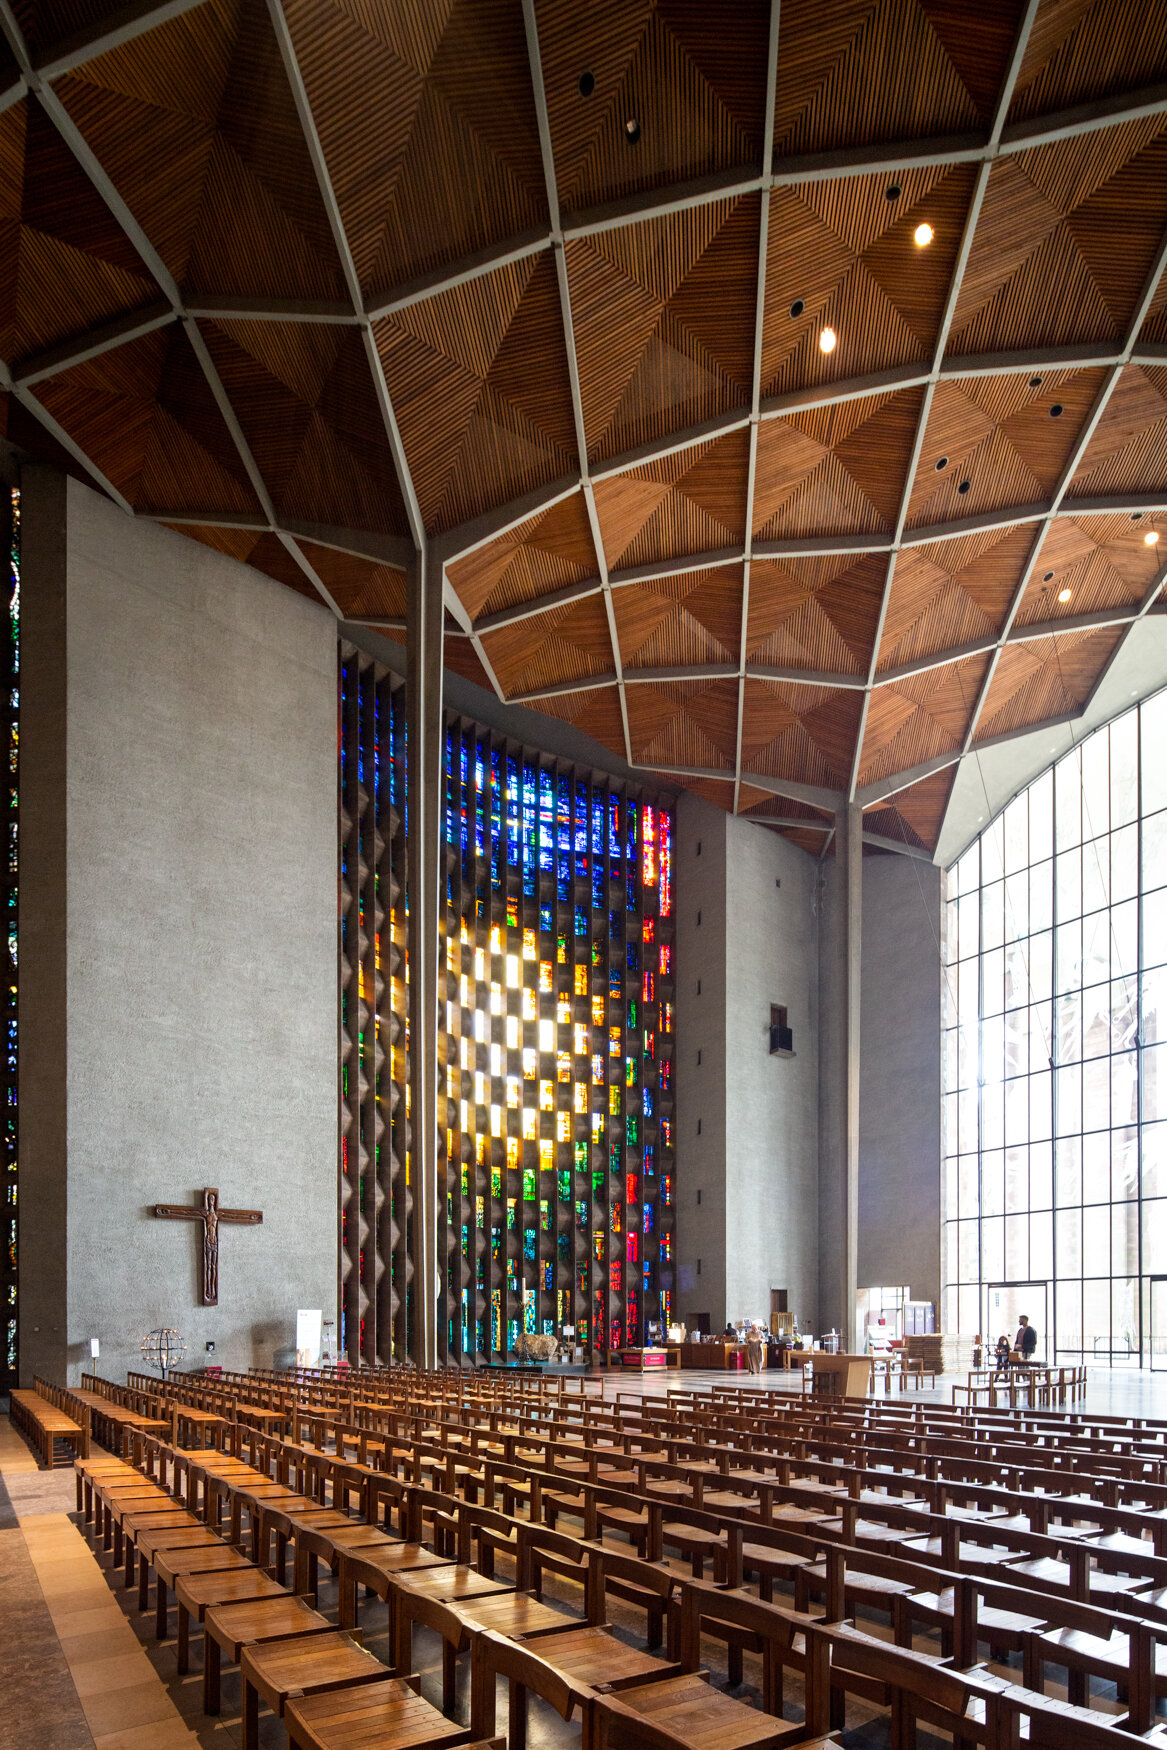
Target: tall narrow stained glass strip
(9, 1254)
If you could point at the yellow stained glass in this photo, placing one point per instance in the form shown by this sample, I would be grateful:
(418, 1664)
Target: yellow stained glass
(512, 972)
(545, 975)
(495, 939)
(563, 1126)
(563, 1066)
(529, 1009)
(480, 963)
(546, 1036)
(581, 1039)
(496, 1121)
(530, 1063)
(512, 1032)
(614, 1101)
(496, 999)
(547, 1156)
(479, 1088)
(530, 1124)
(546, 1097)
(581, 981)
(528, 944)
(513, 1100)
(512, 1153)
(597, 1011)
(581, 1096)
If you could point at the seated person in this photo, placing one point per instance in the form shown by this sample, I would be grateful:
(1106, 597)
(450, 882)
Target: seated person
(1002, 1354)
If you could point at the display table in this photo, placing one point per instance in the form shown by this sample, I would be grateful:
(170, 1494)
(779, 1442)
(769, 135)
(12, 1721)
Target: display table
(640, 1360)
(840, 1376)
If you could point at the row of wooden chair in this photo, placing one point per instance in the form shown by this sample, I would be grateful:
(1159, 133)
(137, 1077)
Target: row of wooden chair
(43, 1417)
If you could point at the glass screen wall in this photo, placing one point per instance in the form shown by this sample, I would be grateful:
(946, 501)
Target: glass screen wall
(1055, 1059)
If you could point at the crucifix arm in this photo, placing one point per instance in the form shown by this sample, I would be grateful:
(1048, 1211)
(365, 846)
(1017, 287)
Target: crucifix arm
(248, 1217)
(176, 1212)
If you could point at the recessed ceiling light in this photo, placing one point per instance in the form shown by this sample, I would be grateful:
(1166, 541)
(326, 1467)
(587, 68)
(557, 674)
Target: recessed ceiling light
(587, 84)
(892, 191)
(1035, 382)
(964, 486)
(1064, 595)
(924, 235)
(1151, 538)
(797, 307)
(1136, 516)
(941, 464)
(828, 340)
(632, 131)
(1048, 578)
(1056, 410)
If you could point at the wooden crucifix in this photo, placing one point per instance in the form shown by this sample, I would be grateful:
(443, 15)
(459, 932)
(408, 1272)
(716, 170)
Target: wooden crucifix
(210, 1214)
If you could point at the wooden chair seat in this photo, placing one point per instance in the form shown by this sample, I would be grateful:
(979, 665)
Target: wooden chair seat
(310, 1656)
(873, 1590)
(691, 1710)
(194, 1593)
(389, 1713)
(1004, 1630)
(169, 1564)
(592, 1655)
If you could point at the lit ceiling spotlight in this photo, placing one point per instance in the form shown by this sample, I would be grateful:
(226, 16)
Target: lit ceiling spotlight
(1064, 595)
(828, 340)
(1151, 538)
(924, 235)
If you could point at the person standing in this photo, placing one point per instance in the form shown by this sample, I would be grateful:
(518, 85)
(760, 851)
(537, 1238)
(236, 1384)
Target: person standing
(1025, 1342)
(754, 1350)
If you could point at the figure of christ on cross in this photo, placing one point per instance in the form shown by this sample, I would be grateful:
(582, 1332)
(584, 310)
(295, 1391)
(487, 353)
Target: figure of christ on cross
(210, 1214)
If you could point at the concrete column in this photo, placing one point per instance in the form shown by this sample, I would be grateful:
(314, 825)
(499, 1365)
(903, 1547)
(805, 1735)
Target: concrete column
(426, 882)
(849, 850)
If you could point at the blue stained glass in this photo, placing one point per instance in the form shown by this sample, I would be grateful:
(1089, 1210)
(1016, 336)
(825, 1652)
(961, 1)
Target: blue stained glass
(597, 826)
(581, 921)
(563, 877)
(513, 809)
(648, 1102)
(546, 819)
(633, 957)
(529, 1237)
(563, 815)
(581, 818)
(544, 917)
(495, 818)
(598, 894)
(650, 1160)
(614, 826)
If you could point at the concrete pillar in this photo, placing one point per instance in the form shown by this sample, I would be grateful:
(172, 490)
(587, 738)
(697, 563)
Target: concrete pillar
(426, 882)
(849, 849)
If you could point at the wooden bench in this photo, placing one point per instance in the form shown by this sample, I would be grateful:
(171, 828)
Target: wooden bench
(42, 1424)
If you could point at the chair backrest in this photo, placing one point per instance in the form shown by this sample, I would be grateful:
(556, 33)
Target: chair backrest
(494, 1656)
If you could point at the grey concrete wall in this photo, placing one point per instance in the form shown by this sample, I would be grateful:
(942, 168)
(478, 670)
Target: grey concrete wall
(699, 866)
(771, 1102)
(201, 941)
(755, 1158)
(43, 1061)
(899, 1085)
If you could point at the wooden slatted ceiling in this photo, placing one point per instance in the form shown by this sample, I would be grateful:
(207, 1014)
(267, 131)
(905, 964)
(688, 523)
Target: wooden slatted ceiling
(694, 618)
(1081, 51)
(915, 815)
(145, 415)
(567, 644)
(919, 717)
(664, 322)
(1049, 677)
(835, 470)
(675, 67)
(597, 713)
(860, 73)
(693, 501)
(547, 552)
(760, 805)
(847, 254)
(1065, 240)
(951, 592)
(304, 399)
(65, 264)
(1102, 561)
(993, 442)
(197, 127)
(806, 733)
(480, 386)
(815, 613)
(427, 122)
